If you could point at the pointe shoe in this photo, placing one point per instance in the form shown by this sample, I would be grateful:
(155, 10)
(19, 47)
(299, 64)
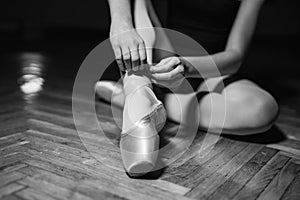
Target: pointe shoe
(140, 145)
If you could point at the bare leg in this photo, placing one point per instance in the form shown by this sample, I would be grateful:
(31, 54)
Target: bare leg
(111, 91)
(249, 108)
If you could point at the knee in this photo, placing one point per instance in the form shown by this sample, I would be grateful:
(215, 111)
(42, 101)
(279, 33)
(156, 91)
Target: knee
(256, 109)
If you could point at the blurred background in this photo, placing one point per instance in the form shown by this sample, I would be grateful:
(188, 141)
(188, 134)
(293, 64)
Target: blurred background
(66, 31)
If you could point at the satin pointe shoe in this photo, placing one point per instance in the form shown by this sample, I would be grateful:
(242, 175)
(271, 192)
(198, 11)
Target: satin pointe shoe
(140, 145)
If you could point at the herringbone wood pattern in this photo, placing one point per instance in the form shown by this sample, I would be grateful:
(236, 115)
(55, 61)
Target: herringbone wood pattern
(42, 156)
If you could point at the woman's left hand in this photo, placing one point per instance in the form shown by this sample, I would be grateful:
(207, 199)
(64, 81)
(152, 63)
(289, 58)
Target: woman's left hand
(169, 71)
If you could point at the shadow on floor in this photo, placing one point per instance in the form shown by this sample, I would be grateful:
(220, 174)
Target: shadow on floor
(273, 135)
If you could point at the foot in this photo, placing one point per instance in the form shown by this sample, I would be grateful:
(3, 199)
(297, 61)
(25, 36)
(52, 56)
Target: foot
(140, 145)
(111, 92)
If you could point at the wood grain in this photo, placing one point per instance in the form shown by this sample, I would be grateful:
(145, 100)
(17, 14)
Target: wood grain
(280, 183)
(263, 178)
(42, 156)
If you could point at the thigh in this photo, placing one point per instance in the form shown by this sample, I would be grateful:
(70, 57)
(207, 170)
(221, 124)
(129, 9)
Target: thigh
(182, 103)
(214, 95)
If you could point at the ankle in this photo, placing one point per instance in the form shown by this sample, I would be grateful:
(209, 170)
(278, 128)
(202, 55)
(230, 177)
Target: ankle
(133, 82)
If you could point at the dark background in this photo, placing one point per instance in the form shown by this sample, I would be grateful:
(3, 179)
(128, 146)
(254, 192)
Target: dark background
(67, 30)
(55, 18)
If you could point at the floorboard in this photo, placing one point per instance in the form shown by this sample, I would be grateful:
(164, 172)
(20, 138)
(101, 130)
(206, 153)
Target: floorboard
(42, 156)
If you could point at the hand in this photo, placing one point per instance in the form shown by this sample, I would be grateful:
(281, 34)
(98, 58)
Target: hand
(128, 46)
(169, 71)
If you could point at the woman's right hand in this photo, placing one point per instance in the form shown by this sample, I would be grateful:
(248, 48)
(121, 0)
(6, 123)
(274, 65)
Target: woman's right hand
(128, 46)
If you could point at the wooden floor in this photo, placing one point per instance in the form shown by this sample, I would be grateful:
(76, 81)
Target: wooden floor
(42, 156)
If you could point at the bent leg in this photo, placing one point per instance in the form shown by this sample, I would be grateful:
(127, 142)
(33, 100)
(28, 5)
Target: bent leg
(241, 107)
(249, 108)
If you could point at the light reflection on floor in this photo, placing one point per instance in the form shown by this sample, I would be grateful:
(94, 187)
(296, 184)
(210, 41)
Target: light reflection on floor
(32, 69)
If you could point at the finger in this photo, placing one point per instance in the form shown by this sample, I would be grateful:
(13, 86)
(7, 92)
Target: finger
(142, 53)
(175, 73)
(164, 61)
(165, 66)
(119, 59)
(180, 69)
(121, 64)
(135, 58)
(126, 57)
(161, 68)
(161, 63)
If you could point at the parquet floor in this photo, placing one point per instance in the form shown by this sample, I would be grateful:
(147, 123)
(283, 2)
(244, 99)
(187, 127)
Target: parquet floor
(42, 156)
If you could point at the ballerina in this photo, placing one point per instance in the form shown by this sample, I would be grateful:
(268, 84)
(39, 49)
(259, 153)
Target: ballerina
(224, 28)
